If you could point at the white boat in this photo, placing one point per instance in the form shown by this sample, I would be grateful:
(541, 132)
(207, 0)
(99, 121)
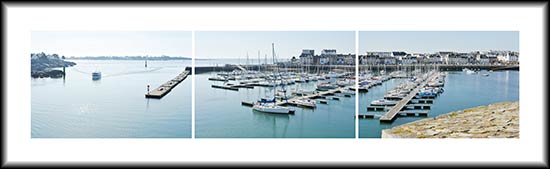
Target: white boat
(325, 86)
(271, 108)
(436, 84)
(485, 74)
(351, 92)
(96, 75)
(280, 94)
(394, 96)
(300, 80)
(344, 82)
(304, 102)
(468, 71)
(383, 102)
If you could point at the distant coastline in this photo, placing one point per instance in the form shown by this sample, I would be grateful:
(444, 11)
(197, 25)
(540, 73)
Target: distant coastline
(128, 58)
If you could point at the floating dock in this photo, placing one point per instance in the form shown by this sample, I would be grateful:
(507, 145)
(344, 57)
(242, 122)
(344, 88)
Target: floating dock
(422, 101)
(413, 113)
(377, 108)
(368, 116)
(390, 115)
(165, 88)
(225, 87)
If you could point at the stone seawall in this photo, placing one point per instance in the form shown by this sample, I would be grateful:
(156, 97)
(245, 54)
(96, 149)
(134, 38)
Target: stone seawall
(499, 120)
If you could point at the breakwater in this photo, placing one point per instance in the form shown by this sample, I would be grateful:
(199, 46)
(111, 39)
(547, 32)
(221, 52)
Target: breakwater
(499, 120)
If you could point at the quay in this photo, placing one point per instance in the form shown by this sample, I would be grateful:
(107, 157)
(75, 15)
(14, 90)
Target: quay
(165, 88)
(440, 67)
(390, 115)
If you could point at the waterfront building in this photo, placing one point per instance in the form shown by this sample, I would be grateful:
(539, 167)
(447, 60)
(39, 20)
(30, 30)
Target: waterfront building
(459, 58)
(507, 57)
(409, 59)
(367, 59)
(328, 52)
(345, 59)
(483, 59)
(307, 56)
(323, 59)
(399, 54)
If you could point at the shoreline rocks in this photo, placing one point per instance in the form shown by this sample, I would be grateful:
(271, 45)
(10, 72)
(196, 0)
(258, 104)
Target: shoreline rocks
(47, 73)
(42, 64)
(499, 120)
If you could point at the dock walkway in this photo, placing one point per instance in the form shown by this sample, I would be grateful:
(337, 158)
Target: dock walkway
(390, 115)
(165, 88)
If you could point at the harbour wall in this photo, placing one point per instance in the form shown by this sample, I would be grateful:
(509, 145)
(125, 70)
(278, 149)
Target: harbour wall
(315, 68)
(499, 120)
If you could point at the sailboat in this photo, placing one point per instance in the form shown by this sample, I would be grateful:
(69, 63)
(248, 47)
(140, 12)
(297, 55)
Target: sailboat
(268, 105)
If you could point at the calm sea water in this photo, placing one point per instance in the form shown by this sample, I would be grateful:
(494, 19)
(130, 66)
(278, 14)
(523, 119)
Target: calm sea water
(219, 114)
(113, 107)
(461, 91)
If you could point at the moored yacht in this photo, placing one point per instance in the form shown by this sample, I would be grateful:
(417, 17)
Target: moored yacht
(383, 102)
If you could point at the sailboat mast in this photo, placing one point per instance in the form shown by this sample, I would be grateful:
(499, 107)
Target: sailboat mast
(273, 54)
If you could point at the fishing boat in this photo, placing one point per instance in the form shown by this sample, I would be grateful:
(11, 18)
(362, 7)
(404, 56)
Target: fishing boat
(383, 102)
(485, 74)
(96, 75)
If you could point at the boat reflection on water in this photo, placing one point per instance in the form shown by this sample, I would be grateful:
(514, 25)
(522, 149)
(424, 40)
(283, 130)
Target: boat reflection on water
(278, 123)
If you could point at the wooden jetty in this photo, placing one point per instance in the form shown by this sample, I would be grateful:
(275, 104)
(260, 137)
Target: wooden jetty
(390, 115)
(165, 88)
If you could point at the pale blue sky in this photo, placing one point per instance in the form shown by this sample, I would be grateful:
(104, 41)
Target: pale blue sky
(434, 41)
(235, 44)
(112, 43)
